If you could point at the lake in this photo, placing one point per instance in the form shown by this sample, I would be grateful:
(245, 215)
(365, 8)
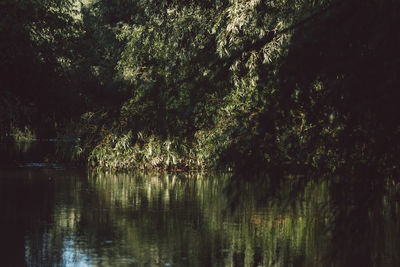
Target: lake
(58, 215)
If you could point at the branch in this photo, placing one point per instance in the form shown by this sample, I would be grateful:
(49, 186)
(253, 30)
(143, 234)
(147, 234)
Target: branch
(273, 34)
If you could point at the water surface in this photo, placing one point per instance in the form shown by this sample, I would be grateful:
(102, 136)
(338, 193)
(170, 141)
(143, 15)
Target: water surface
(52, 215)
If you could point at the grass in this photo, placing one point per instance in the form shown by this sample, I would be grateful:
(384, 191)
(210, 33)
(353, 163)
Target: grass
(139, 151)
(24, 135)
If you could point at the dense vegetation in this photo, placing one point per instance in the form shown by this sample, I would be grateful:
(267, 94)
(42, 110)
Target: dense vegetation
(277, 86)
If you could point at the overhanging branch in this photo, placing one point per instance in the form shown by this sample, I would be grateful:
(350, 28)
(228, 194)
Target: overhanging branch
(271, 35)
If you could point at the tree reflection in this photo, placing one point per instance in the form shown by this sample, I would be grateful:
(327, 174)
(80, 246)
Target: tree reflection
(64, 218)
(351, 219)
(27, 206)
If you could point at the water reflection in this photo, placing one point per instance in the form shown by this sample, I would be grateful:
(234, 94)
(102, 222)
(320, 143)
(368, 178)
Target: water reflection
(71, 218)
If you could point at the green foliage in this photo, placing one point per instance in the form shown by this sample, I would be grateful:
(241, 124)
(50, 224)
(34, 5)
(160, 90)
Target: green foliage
(166, 61)
(146, 153)
(24, 135)
(260, 85)
(36, 58)
(78, 138)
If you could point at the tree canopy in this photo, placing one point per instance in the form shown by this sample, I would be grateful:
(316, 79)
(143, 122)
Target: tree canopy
(261, 85)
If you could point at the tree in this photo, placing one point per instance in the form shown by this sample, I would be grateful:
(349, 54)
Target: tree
(36, 58)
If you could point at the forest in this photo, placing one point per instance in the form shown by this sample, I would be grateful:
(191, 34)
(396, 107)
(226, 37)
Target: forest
(200, 133)
(285, 87)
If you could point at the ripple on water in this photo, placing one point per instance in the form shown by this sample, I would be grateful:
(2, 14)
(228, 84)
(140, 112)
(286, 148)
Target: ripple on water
(42, 165)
